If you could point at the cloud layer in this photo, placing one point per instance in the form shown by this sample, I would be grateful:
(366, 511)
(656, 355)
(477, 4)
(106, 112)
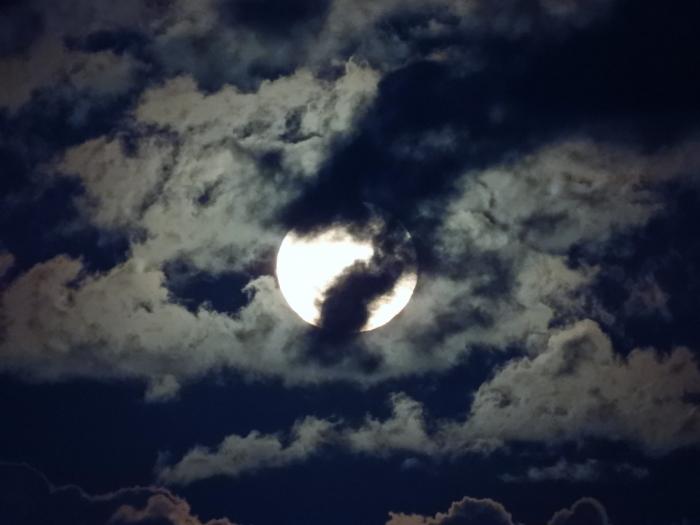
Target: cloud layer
(472, 511)
(575, 388)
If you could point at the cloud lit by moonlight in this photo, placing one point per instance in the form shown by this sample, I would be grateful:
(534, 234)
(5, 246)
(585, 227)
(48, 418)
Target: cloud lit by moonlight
(309, 265)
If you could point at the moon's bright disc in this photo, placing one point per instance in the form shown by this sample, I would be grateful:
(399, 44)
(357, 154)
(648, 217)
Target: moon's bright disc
(307, 266)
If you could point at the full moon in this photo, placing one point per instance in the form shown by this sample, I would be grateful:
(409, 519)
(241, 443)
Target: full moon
(311, 266)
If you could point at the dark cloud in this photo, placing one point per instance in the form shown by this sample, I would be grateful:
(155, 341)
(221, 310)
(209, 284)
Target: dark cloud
(195, 289)
(586, 511)
(273, 18)
(28, 498)
(473, 511)
(597, 82)
(648, 287)
(346, 305)
(37, 223)
(589, 471)
(20, 26)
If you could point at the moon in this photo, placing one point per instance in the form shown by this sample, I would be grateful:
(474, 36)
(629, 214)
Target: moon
(310, 265)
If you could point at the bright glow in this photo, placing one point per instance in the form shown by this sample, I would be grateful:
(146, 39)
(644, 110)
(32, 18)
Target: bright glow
(307, 267)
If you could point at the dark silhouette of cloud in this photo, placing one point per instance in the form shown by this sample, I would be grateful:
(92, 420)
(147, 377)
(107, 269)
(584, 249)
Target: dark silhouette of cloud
(28, 498)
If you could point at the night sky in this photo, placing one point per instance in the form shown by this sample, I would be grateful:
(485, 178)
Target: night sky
(544, 156)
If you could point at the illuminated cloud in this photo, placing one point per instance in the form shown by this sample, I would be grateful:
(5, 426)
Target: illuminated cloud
(472, 511)
(40, 501)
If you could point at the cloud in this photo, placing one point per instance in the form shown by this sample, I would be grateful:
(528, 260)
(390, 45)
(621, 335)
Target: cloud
(27, 497)
(562, 470)
(204, 178)
(60, 323)
(206, 183)
(467, 511)
(81, 77)
(191, 183)
(171, 509)
(7, 260)
(237, 455)
(585, 510)
(242, 43)
(472, 511)
(576, 388)
(579, 388)
(404, 431)
(585, 472)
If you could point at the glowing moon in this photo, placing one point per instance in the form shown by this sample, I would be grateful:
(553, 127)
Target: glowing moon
(309, 265)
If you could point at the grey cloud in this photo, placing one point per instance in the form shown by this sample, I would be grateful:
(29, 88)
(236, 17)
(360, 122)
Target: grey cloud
(7, 260)
(404, 431)
(40, 501)
(173, 510)
(566, 192)
(467, 511)
(473, 511)
(198, 185)
(576, 388)
(587, 471)
(80, 77)
(217, 44)
(586, 511)
(509, 290)
(122, 323)
(561, 470)
(20, 25)
(210, 146)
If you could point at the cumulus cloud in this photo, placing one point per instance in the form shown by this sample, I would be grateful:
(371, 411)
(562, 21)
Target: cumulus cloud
(578, 388)
(585, 510)
(202, 177)
(239, 454)
(473, 511)
(404, 431)
(166, 507)
(206, 183)
(467, 511)
(28, 497)
(194, 182)
(575, 388)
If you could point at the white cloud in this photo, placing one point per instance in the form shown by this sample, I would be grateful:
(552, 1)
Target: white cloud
(576, 388)
(498, 287)
(404, 431)
(240, 454)
(564, 193)
(202, 193)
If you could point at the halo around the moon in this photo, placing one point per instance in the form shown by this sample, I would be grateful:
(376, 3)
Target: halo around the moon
(311, 266)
